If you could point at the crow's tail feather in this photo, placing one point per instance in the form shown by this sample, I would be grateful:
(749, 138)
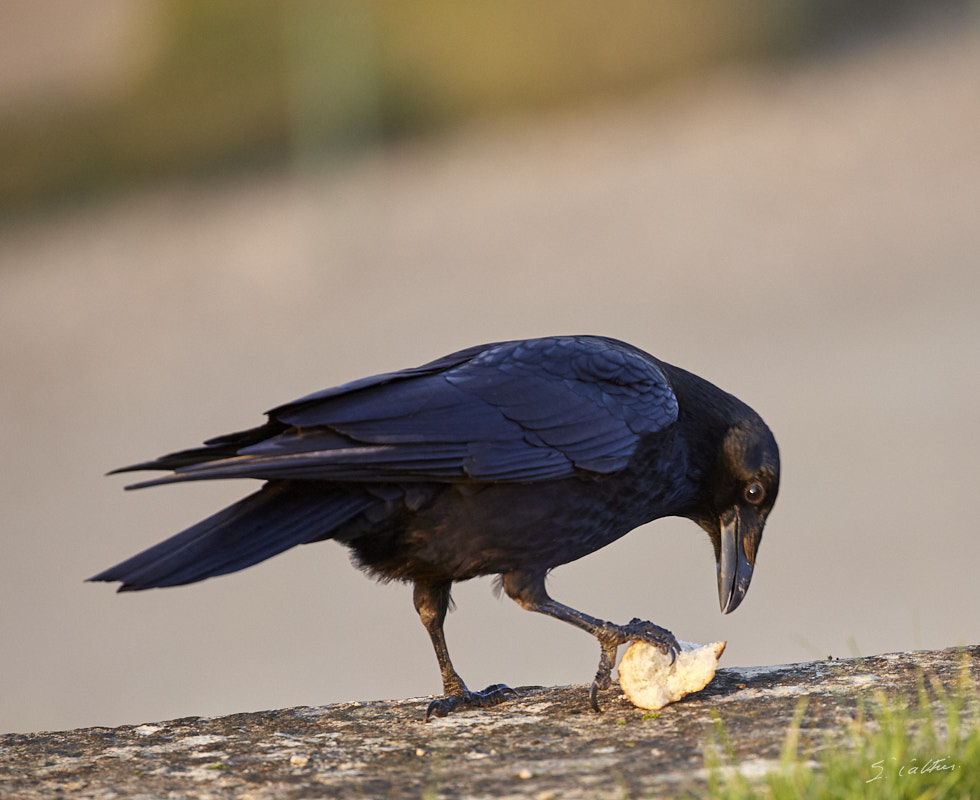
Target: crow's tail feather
(214, 449)
(271, 520)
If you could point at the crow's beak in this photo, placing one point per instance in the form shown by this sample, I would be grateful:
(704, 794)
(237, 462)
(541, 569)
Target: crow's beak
(734, 567)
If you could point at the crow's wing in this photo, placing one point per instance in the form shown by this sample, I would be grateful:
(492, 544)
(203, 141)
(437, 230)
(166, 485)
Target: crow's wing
(519, 411)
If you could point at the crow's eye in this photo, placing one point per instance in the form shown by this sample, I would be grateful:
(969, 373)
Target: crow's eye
(755, 493)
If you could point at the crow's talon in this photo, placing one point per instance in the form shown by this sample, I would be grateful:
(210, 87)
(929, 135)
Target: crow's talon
(491, 696)
(442, 706)
(638, 630)
(497, 693)
(594, 697)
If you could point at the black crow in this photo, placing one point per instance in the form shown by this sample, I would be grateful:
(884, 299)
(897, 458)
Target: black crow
(504, 459)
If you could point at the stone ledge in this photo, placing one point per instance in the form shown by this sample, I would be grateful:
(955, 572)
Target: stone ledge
(547, 744)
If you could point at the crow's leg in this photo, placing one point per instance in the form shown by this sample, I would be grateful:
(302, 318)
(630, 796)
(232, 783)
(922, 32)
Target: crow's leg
(528, 590)
(432, 603)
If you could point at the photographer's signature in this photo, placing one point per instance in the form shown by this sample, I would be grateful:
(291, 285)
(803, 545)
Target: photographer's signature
(910, 767)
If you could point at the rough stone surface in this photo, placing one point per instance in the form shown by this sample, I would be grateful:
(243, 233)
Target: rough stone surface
(547, 744)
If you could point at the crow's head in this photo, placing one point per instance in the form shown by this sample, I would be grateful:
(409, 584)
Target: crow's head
(739, 493)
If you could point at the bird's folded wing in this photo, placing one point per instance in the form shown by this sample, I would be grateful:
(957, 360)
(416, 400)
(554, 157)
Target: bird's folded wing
(510, 412)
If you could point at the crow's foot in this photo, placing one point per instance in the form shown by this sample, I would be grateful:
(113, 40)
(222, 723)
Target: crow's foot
(490, 696)
(612, 636)
(638, 630)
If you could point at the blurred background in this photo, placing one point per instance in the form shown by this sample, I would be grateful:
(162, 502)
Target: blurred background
(210, 207)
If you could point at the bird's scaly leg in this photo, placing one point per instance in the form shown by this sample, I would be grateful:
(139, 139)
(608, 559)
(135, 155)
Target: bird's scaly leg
(528, 590)
(432, 603)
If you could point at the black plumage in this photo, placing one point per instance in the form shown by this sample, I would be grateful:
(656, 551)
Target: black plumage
(504, 459)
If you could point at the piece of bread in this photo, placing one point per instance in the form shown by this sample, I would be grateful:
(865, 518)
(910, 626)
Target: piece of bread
(650, 681)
